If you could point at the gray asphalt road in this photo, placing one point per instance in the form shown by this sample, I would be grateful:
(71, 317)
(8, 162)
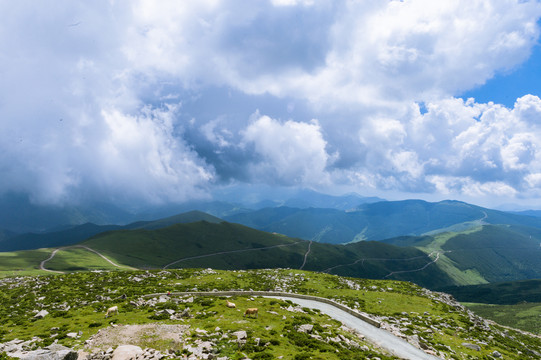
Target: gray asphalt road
(395, 345)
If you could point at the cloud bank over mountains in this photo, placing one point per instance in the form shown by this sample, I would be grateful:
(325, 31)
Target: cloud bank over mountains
(139, 101)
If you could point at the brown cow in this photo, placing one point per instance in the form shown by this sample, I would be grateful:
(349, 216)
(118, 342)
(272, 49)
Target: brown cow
(251, 311)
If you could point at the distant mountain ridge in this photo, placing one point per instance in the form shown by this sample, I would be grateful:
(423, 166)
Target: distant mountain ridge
(18, 214)
(79, 233)
(376, 221)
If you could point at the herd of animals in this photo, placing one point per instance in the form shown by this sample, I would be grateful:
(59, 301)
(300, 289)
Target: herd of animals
(250, 311)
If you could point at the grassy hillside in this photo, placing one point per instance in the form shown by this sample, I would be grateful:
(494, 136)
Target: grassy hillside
(488, 253)
(233, 246)
(485, 254)
(498, 253)
(523, 316)
(505, 293)
(76, 234)
(158, 248)
(77, 302)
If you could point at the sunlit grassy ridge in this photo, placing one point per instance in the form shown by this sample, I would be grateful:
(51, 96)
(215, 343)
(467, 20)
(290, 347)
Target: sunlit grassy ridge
(483, 254)
(76, 302)
(525, 316)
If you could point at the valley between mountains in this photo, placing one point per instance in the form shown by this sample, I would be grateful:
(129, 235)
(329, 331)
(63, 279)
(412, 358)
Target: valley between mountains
(489, 260)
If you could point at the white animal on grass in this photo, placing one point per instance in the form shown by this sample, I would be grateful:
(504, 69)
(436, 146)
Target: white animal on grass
(112, 310)
(230, 304)
(251, 311)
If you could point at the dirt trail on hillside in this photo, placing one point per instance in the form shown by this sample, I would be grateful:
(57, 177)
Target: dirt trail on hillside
(139, 335)
(42, 264)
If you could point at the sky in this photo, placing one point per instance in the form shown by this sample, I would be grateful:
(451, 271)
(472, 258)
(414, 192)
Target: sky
(146, 102)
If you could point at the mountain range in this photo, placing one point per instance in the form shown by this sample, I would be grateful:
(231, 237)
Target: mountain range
(433, 244)
(377, 221)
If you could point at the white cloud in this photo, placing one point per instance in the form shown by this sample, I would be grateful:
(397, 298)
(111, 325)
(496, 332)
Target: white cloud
(96, 100)
(292, 153)
(140, 156)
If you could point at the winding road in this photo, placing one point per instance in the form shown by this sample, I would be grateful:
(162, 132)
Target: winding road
(42, 264)
(381, 338)
(229, 252)
(351, 318)
(306, 255)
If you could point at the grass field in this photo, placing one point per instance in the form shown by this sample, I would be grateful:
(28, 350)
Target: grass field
(22, 262)
(76, 303)
(521, 316)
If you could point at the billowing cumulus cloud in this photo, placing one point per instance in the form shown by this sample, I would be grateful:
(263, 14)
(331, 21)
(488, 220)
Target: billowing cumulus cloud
(146, 101)
(292, 153)
(458, 147)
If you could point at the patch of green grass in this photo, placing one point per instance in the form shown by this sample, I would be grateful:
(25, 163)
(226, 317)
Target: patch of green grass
(521, 316)
(78, 259)
(22, 262)
(78, 301)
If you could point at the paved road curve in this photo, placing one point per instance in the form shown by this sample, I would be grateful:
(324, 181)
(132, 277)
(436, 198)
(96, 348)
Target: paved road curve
(395, 345)
(383, 339)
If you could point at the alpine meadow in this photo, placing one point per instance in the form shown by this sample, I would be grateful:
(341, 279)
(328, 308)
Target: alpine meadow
(270, 179)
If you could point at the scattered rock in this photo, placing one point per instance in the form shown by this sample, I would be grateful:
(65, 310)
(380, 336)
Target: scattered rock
(41, 314)
(126, 352)
(472, 346)
(306, 328)
(240, 334)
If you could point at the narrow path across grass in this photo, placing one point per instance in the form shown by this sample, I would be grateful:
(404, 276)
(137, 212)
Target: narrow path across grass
(306, 255)
(42, 264)
(228, 252)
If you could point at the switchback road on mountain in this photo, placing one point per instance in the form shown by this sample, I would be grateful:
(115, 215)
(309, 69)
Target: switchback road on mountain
(419, 269)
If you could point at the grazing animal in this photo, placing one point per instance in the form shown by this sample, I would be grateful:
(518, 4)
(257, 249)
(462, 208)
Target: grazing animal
(251, 311)
(111, 311)
(230, 304)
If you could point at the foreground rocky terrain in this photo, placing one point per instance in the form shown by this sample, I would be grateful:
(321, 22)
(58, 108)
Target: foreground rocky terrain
(63, 317)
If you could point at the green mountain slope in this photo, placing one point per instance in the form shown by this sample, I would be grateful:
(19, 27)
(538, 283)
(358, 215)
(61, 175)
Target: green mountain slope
(498, 252)
(234, 246)
(79, 233)
(504, 293)
(486, 254)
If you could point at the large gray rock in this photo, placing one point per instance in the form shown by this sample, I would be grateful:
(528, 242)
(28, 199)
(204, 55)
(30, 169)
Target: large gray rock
(241, 334)
(472, 346)
(41, 314)
(126, 352)
(306, 328)
(55, 353)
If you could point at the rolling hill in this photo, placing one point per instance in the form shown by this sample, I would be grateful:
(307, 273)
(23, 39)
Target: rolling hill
(486, 254)
(232, 246)
(76, 234)
(504, 293)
